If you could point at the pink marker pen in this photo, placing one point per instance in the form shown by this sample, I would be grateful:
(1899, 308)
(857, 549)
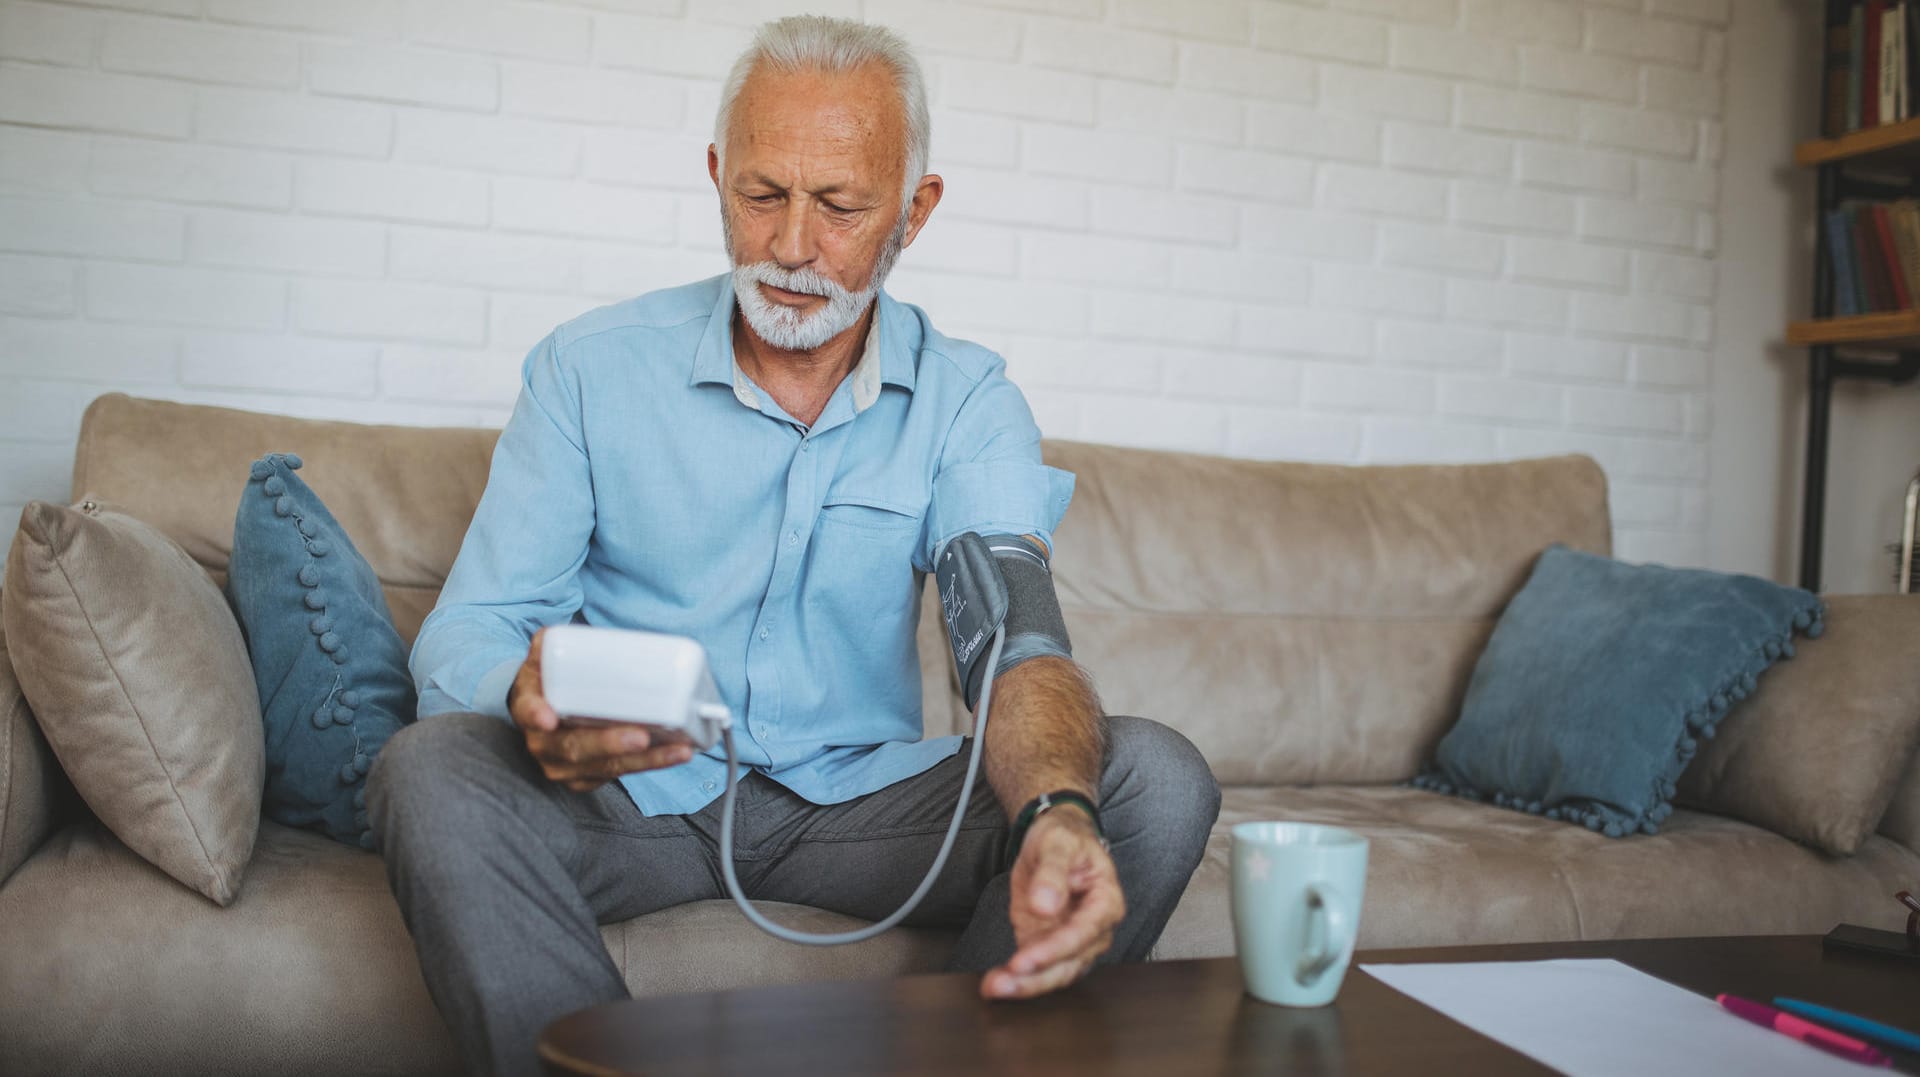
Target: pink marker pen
(1805, 1031)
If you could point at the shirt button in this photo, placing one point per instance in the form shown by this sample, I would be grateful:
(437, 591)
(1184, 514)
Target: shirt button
(805, 445)
(708, 786)
(793, 537)
(763, 633)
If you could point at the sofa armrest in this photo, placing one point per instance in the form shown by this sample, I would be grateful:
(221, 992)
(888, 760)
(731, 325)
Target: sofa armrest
(34, 793)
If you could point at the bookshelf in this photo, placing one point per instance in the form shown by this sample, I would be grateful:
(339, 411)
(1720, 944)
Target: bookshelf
(1871, 164)
(1892, 144)
(1899, 329)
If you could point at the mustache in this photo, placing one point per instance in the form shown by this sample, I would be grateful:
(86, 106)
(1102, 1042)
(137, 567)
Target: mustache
(803, 281)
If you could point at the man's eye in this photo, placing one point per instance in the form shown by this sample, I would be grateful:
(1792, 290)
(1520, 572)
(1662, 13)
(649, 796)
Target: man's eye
(842, 210)
(763, 199)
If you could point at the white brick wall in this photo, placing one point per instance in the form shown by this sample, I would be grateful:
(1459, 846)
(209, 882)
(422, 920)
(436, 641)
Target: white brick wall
(1336, 230)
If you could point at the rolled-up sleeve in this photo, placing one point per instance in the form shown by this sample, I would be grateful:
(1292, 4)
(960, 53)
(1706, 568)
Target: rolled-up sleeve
(518, 567)
(991, 479)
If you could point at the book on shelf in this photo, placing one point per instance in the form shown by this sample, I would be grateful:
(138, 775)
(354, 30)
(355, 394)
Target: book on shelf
(1869, 270)
(1840, 250)
(1889, 66)
(1870, 56)
(1873, 249)
(1872, 51)
(1890, 253)
(1906, 253)
(1837, 66)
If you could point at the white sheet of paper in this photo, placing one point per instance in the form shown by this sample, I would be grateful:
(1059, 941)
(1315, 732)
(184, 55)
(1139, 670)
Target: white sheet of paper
(1600, 1018)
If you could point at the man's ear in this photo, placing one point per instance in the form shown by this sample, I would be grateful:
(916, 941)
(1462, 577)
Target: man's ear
(713, 164)
(925, 197)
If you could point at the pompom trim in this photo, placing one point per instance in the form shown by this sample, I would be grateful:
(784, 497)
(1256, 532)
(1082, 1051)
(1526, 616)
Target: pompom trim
(341, 704)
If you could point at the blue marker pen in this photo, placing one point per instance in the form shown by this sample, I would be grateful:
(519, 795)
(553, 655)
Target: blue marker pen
(1846, 1022)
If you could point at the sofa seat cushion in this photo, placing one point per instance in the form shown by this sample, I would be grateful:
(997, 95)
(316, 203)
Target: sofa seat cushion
(1445, 871)
(112, 967)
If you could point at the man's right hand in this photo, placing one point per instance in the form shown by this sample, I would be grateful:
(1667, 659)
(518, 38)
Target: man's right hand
(580, 757)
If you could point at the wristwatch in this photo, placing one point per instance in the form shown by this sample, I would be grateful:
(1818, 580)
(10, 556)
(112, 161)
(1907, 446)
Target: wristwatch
(1039, 806)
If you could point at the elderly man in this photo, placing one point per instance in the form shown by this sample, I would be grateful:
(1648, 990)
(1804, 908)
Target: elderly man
(768, 462)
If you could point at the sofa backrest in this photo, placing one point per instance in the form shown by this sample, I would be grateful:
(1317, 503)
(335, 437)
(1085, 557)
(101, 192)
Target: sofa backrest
(1303, 623)
(1300, 622)
(404, 493)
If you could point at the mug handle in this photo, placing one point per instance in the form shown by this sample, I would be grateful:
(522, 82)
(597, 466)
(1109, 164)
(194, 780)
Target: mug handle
(1340, 936)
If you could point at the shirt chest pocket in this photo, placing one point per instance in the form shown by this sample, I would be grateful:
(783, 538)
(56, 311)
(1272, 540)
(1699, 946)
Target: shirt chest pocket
(865, 515)
(861, 561)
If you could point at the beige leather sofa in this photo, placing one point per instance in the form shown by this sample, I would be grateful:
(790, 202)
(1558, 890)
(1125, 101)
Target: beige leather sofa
(1311, 628)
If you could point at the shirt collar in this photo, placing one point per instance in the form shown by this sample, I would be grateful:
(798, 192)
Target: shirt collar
(886, 358)
(865, 378)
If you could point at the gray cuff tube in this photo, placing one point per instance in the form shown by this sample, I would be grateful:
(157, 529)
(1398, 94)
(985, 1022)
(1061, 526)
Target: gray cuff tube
(1035, 626)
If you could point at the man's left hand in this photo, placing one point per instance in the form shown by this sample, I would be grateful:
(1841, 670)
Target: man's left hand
(1066, 902)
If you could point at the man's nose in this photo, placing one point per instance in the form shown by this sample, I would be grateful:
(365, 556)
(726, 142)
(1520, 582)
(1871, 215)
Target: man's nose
(793, 243)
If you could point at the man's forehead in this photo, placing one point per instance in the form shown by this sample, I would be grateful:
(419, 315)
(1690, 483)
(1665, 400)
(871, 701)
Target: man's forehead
(818, 113)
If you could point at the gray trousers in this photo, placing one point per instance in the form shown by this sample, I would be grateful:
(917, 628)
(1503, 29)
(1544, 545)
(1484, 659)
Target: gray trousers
(503, 877)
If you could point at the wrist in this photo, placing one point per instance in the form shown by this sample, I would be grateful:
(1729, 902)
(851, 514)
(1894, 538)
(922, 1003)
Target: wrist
(1068, 816)
(1069, 806)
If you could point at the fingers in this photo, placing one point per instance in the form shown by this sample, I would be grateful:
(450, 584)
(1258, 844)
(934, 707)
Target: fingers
(1057, 851)
(572, 746)
(585, 757)
(1001, 983)
(1047, 884)
(1088, 928)
(598, 774)
(1066, 903)
(1062, 857)
(533, 713)
(593, 775)
(580, 757)
(663, 755)
(527, 699)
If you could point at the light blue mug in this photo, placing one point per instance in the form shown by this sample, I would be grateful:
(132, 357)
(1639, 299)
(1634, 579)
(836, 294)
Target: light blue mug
(1297, 889)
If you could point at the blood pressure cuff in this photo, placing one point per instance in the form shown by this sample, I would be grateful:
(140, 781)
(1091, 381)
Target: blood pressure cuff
(985, 583)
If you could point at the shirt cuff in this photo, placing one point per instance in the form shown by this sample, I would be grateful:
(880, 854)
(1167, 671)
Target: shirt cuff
(490, 695)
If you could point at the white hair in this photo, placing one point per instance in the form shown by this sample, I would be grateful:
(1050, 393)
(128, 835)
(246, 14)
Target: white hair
(820, 43)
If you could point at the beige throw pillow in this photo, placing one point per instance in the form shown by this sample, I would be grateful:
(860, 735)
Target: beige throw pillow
(30, 781)
(138, 674)
(1817, 752)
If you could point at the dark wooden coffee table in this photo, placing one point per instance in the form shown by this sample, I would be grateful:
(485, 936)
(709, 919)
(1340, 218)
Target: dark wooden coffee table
(1167, 1017)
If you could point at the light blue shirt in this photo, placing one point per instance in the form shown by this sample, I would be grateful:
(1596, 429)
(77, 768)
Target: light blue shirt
(644, 481)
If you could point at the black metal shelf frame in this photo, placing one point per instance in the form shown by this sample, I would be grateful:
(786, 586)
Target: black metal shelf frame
(1824, 367)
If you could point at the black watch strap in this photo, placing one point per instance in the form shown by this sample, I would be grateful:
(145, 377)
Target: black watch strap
(1039, 806)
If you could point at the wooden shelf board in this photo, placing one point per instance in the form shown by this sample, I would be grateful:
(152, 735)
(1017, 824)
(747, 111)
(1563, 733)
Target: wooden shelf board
(1898, 329)
(1889, 143)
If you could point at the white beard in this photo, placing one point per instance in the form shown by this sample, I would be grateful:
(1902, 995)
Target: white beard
(788, 328)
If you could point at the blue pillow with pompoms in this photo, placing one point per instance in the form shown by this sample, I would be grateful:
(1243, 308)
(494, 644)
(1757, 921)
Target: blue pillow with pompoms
(1599, 681)
(330, 667)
